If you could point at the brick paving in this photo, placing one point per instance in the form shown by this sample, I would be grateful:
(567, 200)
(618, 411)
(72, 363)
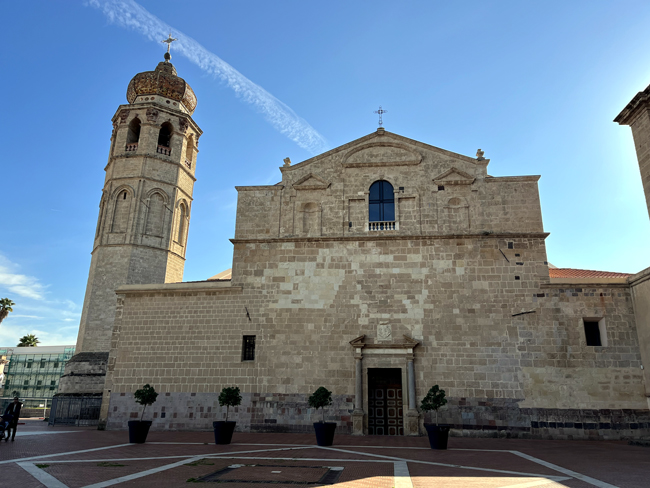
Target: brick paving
(77, 457)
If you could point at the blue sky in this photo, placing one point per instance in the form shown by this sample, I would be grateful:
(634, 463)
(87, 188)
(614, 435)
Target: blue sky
(536, 85)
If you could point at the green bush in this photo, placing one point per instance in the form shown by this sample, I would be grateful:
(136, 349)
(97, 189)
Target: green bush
(229, 397)
(434, 400)
(320, 399)
(145, 396)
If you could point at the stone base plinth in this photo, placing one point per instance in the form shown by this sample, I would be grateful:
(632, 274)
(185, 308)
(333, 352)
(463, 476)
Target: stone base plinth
(357, 422)
(412, 420)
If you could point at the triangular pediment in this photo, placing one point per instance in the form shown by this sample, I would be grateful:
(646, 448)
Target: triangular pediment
(311, 182)
(406, 343)
(361, 151)
(454, 176)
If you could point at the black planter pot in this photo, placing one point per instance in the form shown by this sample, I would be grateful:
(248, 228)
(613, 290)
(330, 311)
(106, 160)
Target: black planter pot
(138, 430)
(324, 433)
(438, 435)
(223, 431)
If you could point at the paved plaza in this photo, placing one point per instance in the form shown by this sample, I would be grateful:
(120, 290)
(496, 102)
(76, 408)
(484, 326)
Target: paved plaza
(59, 457)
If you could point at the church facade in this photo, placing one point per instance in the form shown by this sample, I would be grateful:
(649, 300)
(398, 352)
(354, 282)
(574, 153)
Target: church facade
(377, 270)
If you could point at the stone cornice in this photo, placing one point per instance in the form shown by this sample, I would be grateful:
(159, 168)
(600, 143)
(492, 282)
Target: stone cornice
(640, 101)
(162, 288)
(507, 179)
(583, 284)
(639, 278)
(261, 187)
(374, 237)
(161, 249)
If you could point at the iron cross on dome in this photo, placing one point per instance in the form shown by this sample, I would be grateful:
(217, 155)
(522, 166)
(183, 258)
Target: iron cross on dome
(169, 41)
(381, 112)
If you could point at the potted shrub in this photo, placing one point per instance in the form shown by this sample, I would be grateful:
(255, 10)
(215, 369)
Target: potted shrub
(138, 429)
(438, 434)
(324, 430)
(229, 397)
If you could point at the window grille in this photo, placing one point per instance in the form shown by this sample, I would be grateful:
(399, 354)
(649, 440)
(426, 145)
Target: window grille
(248, 349)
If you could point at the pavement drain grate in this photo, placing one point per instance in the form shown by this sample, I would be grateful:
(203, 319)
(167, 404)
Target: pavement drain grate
(290, 475)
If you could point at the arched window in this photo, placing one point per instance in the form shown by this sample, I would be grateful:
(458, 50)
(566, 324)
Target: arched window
(181, 224)
(189, 152)
(133, 135)
(381, 202)
(155, 215)
(121, 214)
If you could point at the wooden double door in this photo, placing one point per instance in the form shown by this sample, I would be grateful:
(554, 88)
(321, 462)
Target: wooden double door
(385, 403)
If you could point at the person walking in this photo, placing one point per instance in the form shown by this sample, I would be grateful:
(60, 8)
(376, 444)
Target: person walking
(13, 409)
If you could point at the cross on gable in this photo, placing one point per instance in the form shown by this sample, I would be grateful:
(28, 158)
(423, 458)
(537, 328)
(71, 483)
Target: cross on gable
(381, 112)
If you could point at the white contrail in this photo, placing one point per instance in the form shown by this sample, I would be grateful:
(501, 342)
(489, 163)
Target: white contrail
(129, 14)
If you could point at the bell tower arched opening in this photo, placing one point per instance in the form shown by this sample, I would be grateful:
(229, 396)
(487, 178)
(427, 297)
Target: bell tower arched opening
(165, 138)
(133, 135)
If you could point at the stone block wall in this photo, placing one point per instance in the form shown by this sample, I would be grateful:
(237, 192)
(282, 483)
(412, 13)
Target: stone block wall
(508, 351)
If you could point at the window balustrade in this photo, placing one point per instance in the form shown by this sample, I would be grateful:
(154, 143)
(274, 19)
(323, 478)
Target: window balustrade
(164, 150)
(378, 226)
(131, 147)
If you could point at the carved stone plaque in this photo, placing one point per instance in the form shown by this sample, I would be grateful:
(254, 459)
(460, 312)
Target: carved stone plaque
(384, 332)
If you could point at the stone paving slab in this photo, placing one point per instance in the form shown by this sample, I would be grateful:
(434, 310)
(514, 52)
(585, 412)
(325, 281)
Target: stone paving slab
(78, 458)
(76, 475)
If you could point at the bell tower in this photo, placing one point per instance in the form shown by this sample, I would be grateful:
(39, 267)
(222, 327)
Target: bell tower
(144, 211)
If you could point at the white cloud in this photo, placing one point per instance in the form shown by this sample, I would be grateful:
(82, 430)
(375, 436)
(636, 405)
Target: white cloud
(130, 15)
(20, 284)
(51, 320)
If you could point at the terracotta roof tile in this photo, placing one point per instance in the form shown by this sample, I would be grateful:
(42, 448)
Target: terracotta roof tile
(584, 273)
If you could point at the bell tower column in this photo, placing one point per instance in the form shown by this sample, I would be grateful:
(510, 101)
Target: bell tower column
(637, 115)
(144, 213)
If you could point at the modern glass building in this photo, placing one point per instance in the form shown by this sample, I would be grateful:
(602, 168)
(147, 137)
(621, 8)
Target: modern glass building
(32, 373)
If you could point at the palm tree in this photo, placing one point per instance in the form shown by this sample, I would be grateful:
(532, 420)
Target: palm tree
(28, 341)
(5, 308)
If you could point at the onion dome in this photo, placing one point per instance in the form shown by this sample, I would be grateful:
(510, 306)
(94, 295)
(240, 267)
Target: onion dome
(164, 82)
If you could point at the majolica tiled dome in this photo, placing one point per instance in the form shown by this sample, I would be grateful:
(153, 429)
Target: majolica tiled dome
(163, 82)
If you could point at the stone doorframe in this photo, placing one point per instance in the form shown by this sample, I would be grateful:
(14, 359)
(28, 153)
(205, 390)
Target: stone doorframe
(400, 349)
